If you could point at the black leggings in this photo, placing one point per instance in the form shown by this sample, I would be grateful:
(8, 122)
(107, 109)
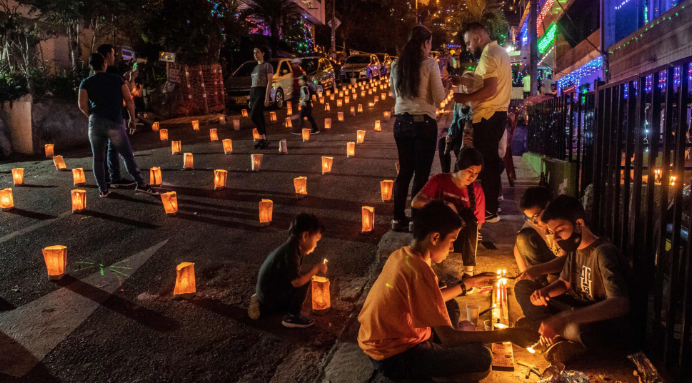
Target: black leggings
(446, 159)
(467, 241)
(257, 95)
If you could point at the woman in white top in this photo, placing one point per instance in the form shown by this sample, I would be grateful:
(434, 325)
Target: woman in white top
(417, 86)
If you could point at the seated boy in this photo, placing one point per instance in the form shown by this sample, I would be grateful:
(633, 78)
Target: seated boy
(574, 312)
(405, 303)
(536, 252)
(280, 285)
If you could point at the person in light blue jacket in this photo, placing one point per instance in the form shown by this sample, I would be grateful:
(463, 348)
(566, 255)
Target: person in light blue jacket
(455, 134)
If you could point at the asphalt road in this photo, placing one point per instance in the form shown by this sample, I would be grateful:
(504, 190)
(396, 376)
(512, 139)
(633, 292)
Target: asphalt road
(113, 317)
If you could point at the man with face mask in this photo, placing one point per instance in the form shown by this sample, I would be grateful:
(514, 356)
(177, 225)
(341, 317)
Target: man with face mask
(489, 104)
(577, 310)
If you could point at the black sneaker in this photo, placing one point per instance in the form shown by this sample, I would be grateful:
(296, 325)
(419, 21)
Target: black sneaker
(146, 188)
(297, 132)
(298, 321)
(124, 182)
(491, 217)
(263, 144)
(104, 194)
(401, 226)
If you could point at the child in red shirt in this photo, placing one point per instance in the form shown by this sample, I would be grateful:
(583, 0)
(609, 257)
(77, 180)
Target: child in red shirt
(465, 196)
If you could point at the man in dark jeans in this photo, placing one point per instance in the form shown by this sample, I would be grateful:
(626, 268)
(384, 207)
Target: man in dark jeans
(490, 104)
(416, 139)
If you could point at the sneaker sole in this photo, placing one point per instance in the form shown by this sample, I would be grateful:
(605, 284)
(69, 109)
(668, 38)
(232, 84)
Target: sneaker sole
(115, 186)
(493, 220)
(148, 192)
(293, 325)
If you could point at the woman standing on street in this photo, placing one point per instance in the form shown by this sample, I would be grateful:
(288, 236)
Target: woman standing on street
(417, 86)
(101, 99)
(262, 77)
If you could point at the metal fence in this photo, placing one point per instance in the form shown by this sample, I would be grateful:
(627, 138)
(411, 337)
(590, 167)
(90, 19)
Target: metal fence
(630, 140)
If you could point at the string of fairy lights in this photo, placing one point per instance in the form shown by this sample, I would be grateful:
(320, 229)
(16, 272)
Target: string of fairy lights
(666, 19)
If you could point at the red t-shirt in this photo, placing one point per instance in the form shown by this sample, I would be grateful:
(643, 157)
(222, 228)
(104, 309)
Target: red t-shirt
(442, 187)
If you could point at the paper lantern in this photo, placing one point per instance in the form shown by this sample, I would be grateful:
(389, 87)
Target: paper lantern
(672, 180)
(378, 126)
(355, 96)
(339, 103)
(272, 116)
(236, 124)
(185, 286)
(383, 96)
(327, 164)
(340, 116)
(321, 100)
(255, 134)
(188, 162)
(360, 108)
(170, 202)
(283, 147)
(301, 186)
(49, 150)
(353, 111)
(243, 112)
(222, 120)
(256, 161)
(387, 115)
(266, 207)
(176, 147)
(195, 125)
(362, 94)
(306, 134)
(155, 178)
(59, 163)
(6, 200)
(78, 176)
(360, 136)
(442, 105)
(346, 100)
(371, 104)
(331, 97)
(155, 127)
(321, 300)
(289, 104)
(220, 177)
(314, 97)
(350, 149)
(289, 111)
(55, 258)
(163, 134)
(377, 99)
(329, 92)
(18, 176)
(78, 200)
(341, 94)
(369, 92)
(212, 135)
(368, 214)
(326, 107)
(386, 188)
(327, 123)
(227, 146)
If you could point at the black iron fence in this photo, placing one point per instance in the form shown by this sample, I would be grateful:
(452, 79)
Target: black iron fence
(630, 140)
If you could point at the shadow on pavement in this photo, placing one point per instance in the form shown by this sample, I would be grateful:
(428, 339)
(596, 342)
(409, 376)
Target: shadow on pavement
(6, 306)
(144, 316)
(124, 221)
(38, 186)
(31, 214)
(16, 360)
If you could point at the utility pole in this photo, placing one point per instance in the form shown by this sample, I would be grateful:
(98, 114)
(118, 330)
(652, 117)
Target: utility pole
(533, 45)
(334, 25)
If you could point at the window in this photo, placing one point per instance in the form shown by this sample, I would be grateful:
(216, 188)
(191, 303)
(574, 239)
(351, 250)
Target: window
(309, 65)
(246, 69)
(285, 69)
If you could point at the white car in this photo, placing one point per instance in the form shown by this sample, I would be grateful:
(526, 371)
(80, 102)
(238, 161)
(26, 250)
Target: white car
(360, 67)
(239, 83)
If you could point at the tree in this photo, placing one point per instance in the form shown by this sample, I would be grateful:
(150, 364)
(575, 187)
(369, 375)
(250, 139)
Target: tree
(493, 20)
(277, 14)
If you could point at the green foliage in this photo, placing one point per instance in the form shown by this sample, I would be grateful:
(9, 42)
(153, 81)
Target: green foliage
(497, 25)
(12, 85)
(276, 14)
(299, 38)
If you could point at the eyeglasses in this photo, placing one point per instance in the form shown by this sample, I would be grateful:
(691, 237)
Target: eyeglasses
(534, 218)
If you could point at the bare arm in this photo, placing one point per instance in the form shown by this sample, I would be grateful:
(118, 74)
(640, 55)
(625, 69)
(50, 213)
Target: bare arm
(420, 200)
(270, 79)
(551, 267)
(305, 278)
(128, 101)
(608, 309)
(520, 260)
(488, 90)
(437, 87)
(84, 102)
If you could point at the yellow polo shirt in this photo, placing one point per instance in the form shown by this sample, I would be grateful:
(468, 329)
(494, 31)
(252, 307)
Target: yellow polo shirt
(494, 62)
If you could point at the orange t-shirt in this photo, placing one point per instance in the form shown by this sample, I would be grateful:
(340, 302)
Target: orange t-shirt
(402, 306)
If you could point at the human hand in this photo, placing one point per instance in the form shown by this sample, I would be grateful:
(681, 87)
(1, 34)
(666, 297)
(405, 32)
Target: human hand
(523, 337)
(321, 268)
(551, 328)
(132, 127)
(479, 280)
(480, 236)
(266, 103)
(540, 298)
(449, 138)
(451, 205)
(529, 274)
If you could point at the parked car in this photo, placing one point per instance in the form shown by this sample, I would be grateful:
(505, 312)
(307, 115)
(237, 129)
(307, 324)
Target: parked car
(320, 72)
(385, 63)
(360, 67)
(239, 83)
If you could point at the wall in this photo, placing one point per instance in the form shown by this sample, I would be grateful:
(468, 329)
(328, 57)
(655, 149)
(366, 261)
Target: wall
(17, 116)
(559, 174)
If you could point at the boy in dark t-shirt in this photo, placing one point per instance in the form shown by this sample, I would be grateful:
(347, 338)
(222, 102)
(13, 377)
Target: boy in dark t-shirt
(280, 285)
(575, 311)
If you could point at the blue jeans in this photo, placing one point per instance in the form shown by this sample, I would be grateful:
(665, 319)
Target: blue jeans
(113, 164)
(101, 131)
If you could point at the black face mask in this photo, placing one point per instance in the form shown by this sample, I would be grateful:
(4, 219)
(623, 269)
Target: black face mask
(572, 243)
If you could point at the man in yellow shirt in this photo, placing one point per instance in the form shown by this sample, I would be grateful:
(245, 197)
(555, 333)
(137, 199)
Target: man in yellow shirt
(406, 303)
(490, 104)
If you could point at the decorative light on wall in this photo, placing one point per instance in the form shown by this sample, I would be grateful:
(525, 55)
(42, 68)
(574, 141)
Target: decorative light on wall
(548, 37)
(575, 77)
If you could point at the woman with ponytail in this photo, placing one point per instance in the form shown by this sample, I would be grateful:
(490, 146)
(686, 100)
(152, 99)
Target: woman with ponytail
(417, 86)
(464, 196)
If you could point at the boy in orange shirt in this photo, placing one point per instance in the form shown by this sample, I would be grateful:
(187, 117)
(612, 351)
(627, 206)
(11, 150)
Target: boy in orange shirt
(405, 303)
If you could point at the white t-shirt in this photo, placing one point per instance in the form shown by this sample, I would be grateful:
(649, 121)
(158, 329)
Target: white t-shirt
(431, 92)
(494, 62)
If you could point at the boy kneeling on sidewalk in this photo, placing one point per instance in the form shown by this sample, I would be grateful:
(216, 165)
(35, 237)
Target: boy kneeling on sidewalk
(579, 309)
(405, 303)
(280, 285)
